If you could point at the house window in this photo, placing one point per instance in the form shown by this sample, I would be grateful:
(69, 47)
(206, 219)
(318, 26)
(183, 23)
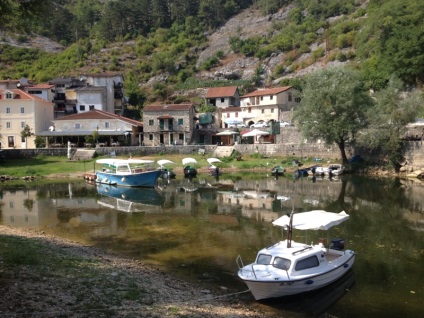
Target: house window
(22, 124)
(91, 107)
(107, 125)
(77, 126)
(23, 139)
(180, 121)
(262, 98)
(151, 122)
(181, 136)
(271, 97)
(263, 111)
(8, 96)
(22, 110)
(297, 99)
(249, 110)
(8, 110)
(272, 110)
(82, 107)
(11, 141)
(290, 97)
(222, 100)
(151, 137)
(8, 124)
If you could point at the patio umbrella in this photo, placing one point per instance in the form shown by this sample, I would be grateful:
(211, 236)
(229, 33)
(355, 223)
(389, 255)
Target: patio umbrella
(187, 161)
(213, 160)
(255, 132)
(163, 162)
(227, 133)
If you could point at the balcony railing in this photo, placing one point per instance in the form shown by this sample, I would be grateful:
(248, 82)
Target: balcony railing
(166, 127)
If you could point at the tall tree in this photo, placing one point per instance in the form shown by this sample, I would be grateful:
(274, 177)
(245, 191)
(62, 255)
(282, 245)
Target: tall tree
(17, 14)
(333, 106)
(395, 108)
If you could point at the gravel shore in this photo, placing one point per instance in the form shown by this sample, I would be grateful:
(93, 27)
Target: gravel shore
(73, 280)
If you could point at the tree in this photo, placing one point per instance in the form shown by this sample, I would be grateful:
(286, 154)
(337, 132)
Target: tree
(395, 108)
(18, 14)
(333, 106)
(25, 133)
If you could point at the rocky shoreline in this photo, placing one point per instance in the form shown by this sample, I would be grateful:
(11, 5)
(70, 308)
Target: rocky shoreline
(104, 285)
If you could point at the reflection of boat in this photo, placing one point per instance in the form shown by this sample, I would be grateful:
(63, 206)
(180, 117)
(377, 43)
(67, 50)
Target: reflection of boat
(278, 170)
(128, 173)
(317, 302)
(288, 268)
(128, 199)
(189, 169)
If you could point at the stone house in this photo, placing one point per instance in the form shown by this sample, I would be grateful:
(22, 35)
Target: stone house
(269, 104)
(171, 124)
(17, 110)
(223, 97)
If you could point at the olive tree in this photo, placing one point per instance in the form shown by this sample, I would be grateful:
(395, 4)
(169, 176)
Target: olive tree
(395, 108)
(333, 106)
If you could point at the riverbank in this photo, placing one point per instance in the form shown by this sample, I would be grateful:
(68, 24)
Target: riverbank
(46, 276)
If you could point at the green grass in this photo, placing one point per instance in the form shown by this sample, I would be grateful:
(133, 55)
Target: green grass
(43, 166)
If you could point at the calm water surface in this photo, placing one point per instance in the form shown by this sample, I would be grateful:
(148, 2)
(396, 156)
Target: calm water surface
(197, 228)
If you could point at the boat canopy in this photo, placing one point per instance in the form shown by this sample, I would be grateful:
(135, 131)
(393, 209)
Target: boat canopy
(115, 162)
(312, 220)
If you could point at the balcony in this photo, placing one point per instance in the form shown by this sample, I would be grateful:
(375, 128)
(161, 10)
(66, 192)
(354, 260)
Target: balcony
(166, 127)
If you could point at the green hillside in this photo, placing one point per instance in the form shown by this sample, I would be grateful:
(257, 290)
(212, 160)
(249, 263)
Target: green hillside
(144, 39)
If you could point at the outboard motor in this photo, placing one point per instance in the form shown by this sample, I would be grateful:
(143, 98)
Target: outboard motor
(337, 244)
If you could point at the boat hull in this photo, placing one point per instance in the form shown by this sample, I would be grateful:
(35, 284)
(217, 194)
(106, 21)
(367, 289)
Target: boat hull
(145, 179)
(275, 287)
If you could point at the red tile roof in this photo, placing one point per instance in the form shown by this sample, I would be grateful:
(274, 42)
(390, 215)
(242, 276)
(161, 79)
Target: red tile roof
(41, 85)
(227, 91)
(168, 107)
(269, 91)
(20, 94)
(100, 114)
(231, 109)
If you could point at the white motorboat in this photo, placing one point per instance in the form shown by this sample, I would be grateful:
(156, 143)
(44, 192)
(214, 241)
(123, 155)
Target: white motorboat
(288, 268)
(334, 169)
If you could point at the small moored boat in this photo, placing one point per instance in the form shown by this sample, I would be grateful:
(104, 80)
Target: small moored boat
(278, 170)
(189, 167)
(288, 268)
(128, 172)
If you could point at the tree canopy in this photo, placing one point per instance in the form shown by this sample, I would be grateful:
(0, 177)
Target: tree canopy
(333, 106)
(395, 108)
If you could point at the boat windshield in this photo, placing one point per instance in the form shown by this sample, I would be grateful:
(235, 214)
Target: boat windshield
(263, 259)
(281, 263)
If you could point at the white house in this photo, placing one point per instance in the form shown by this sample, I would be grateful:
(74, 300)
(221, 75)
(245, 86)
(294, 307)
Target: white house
(269, 104)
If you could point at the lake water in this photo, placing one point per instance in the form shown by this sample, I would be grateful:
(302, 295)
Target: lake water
(196, 229)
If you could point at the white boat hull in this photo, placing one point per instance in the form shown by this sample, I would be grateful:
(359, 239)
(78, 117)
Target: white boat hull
(274, 286)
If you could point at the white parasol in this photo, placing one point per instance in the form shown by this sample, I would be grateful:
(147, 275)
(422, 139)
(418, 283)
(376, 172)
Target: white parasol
(313, 220)
(213, 160)
(187, 161)
(255, 132)
(227, 133)
(163, 162)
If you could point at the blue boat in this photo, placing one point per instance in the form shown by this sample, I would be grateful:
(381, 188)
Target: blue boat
(128, 173)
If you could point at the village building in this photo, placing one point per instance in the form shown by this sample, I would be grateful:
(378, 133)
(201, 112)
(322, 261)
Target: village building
(80, 129)
(273, 104)
(19, 109)
(170, 124)
(223, 97)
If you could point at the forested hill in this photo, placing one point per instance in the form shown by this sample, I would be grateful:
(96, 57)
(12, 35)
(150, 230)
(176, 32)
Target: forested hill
(164, 46)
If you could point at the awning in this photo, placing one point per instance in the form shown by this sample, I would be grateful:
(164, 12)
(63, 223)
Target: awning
(165, 117)
(227, 133)
(82, 133)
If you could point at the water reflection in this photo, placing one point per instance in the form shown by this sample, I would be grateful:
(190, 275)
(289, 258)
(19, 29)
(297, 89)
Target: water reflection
(196, 228)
